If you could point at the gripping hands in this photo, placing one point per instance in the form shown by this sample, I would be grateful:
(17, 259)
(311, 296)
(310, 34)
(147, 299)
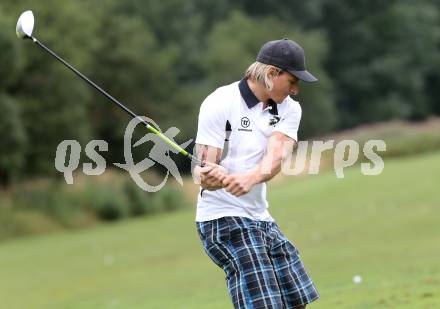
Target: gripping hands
(213, 177)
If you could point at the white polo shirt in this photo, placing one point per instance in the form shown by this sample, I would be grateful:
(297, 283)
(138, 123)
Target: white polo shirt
(233, 119)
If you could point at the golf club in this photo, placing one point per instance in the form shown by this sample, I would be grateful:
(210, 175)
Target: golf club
(25, 26)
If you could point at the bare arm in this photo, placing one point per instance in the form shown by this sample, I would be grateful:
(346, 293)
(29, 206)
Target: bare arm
(208, 153)
(211, 175)
(279, 146)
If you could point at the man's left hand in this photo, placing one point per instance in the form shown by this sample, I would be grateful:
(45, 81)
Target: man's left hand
(239, 185)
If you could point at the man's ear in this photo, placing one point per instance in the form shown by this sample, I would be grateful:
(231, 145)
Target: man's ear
(272, 72)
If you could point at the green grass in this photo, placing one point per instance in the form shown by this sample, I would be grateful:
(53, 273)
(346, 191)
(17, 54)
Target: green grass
(385, 228)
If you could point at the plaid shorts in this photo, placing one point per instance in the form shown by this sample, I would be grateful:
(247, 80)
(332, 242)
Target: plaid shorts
(263, 268)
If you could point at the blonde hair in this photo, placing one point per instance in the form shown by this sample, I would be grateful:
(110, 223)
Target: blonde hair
(259, 72)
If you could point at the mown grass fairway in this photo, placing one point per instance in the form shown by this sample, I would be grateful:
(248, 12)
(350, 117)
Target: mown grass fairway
(384, 228)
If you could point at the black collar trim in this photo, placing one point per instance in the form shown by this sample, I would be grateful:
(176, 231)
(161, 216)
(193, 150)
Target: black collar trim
(248, 96)
(251, 100)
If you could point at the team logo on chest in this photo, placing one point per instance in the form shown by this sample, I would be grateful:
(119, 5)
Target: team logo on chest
(245, 122)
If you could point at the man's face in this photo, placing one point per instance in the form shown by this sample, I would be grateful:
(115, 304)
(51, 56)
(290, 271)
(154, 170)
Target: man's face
(284, 84)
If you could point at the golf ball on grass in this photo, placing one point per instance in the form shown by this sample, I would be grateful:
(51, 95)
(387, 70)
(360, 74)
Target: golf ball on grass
(357, 279)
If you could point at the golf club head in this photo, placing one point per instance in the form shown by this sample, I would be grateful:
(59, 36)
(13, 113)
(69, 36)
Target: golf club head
(25, 25)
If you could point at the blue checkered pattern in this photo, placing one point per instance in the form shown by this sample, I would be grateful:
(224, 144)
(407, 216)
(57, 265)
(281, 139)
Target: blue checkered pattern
(263, 269)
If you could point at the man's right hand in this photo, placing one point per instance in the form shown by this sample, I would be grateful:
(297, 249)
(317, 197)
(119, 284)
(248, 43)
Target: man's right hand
(212, 176)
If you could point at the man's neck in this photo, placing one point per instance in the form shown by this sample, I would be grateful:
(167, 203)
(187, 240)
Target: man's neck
(259, 91)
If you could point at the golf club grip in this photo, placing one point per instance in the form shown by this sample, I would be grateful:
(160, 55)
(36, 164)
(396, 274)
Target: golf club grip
(127, 110)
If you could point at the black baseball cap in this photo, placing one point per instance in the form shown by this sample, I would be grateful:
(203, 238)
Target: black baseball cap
(288, 56)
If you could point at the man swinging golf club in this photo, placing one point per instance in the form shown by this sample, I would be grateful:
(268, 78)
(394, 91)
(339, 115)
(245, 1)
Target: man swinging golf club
(245, 131)
(254, 119)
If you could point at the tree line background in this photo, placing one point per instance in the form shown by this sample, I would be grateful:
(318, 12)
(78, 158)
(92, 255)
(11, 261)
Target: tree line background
(376, 60)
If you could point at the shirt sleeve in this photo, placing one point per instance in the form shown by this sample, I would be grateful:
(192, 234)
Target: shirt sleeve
(289, 122)
(212, 122)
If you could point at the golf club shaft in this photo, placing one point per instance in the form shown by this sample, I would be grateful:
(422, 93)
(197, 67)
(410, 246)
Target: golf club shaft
(122, 106)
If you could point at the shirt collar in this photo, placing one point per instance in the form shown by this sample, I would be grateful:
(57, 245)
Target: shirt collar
(251, 100)
(246, 93)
